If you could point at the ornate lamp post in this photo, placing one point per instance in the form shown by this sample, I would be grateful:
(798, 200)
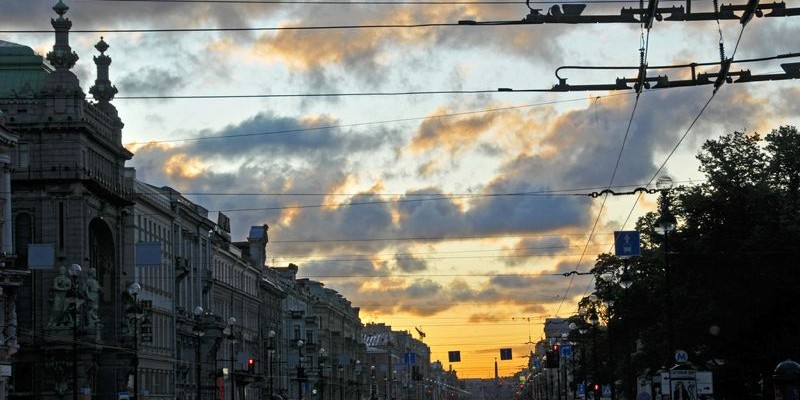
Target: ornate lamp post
(270, 357)
(74, 271)
(664, 225)
(372, 382)
(594, 320)
(133, 290)
(300, 372)
(322, 358)
(358, 375)
(232, 339)
(199, 332)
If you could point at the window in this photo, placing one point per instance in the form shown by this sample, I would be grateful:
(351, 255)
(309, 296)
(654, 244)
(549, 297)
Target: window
(23, 235)
(23, 155)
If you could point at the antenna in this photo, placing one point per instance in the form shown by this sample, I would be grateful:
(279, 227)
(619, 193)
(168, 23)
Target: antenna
(530, 341)
(420, 333)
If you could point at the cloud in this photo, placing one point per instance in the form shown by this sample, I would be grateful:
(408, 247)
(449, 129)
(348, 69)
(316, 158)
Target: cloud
(485, 317)
(361, 233)
(527, 248)
(151, 81)
(410, 264)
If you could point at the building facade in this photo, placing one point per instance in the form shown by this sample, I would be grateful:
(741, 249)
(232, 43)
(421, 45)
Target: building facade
(11, 278)
(111, 287)
(71, 214)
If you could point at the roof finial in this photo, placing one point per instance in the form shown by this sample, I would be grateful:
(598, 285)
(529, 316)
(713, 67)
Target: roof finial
(60, 8)
(101, 46)
(62, 57)
(102, 90)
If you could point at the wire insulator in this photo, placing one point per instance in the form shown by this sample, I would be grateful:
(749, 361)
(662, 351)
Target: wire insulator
(722, 51)
(716, 8)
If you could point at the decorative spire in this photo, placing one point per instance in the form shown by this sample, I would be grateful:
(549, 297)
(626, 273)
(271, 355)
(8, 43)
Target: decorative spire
(62, 57)
(102, 90)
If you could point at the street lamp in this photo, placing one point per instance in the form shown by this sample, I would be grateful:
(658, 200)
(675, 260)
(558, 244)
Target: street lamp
(74, 271)
(665, 224)
(322, 359)
(133, 290)
(300, 372)
(359, 376)
(573, 327)
(270, 355)
(199, 332)
(595, 321)
(232, 339)
(372, 382)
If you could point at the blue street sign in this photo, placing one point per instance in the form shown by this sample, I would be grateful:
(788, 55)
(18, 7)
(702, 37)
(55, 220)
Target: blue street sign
(565, 350)
(581, 392)
(454, 356)
(626, 243)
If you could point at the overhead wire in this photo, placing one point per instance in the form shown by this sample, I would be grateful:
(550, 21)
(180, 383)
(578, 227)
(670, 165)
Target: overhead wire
(623, 145)
(239, 29)
(643, 61)
(356, 124)
(663, 164)
(371, 2)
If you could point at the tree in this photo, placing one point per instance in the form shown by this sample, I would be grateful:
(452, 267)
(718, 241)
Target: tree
(733, 264)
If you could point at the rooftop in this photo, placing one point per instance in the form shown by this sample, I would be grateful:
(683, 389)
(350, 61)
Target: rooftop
(22, 71)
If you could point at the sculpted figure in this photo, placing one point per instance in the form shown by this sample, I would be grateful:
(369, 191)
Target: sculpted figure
(59, 315)
(91, 292)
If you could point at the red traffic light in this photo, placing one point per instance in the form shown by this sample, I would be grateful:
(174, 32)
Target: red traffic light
(251, 364)
(555, 347)
(596, 386)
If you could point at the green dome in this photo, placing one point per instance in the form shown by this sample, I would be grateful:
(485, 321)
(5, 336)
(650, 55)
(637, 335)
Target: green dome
(13, 49)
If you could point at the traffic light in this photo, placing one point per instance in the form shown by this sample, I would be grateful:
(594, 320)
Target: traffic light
(551, 359)
(251, 364)
(555, 347)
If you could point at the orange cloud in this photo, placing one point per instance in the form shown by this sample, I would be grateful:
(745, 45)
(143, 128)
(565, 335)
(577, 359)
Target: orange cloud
(452, 134)
(512, 131)
(485, 317)
(307, 49)
(183, 166)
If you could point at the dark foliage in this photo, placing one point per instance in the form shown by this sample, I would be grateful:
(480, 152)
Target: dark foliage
(728, 289)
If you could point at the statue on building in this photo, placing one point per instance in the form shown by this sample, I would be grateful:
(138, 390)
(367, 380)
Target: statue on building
(11, 326)
(91, 293)
(59, 374)
(59, 315)
(132, 311)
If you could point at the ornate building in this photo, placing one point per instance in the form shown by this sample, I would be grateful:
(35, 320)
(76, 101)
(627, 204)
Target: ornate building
(111, 286)
(71, 212)
(11, 278)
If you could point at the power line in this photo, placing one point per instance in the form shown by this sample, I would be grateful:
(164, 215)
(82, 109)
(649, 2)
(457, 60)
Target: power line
(240, 29)
(369, 2)
(338, 126)
(642, 72)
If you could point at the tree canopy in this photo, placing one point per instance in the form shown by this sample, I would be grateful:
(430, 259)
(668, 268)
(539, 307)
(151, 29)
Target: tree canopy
(727, 290)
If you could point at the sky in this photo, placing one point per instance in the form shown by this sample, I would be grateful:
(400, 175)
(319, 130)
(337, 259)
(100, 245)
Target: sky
(456, 211)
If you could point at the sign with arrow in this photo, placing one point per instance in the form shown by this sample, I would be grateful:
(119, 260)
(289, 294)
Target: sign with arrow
(626, 244)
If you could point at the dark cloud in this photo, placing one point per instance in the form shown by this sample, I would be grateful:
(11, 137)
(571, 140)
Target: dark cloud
(485, 317)
(95, 15)
(528, 248)
(151, 81)
(410, 264)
